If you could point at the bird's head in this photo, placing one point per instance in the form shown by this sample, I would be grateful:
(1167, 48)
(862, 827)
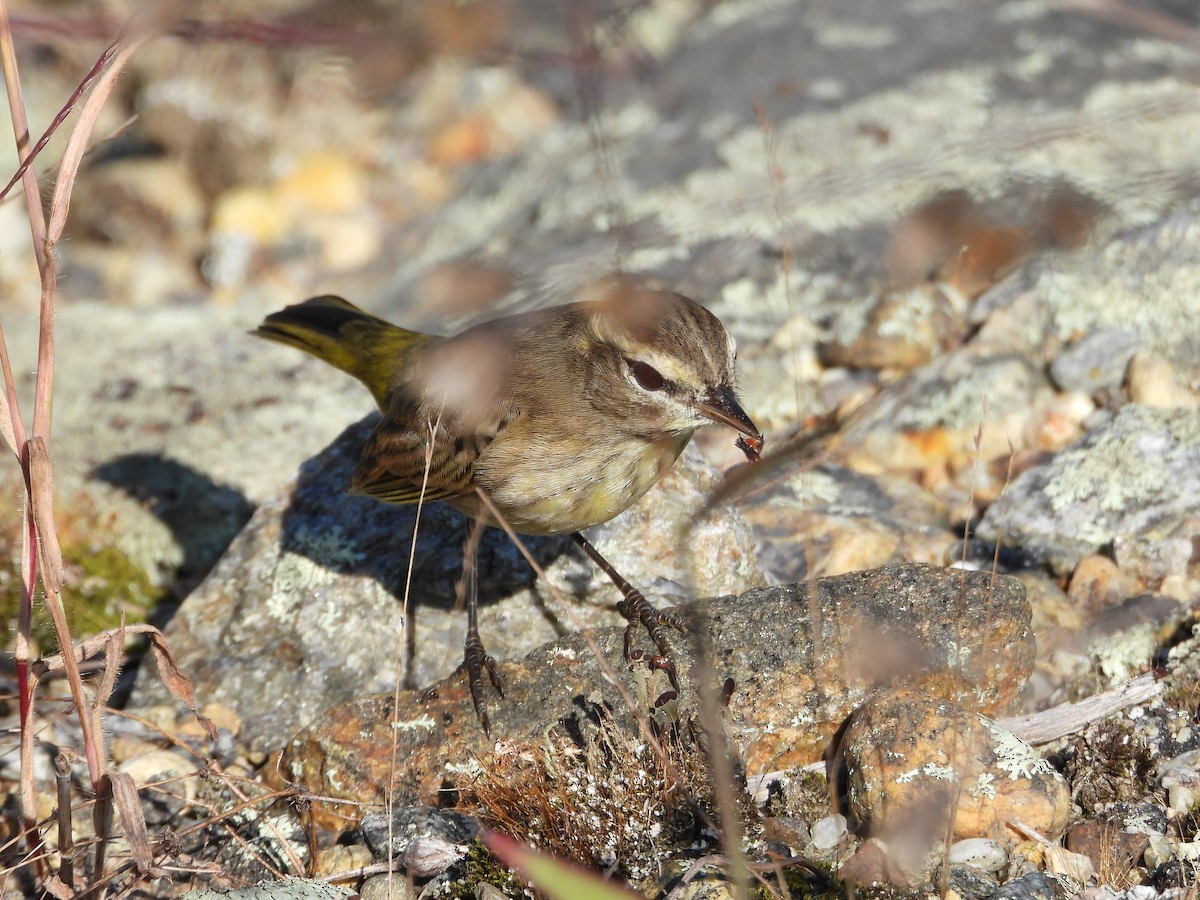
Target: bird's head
(662, 363)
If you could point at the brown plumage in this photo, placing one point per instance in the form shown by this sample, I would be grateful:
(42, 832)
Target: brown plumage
(563, 417)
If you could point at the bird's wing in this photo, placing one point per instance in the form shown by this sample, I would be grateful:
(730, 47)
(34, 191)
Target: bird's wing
(413, 453)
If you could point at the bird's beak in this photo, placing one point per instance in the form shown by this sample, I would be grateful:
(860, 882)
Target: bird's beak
(721, 406)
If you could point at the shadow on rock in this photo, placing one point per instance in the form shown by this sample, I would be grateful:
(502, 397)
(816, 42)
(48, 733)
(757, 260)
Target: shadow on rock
(355, 535)
(203, 516)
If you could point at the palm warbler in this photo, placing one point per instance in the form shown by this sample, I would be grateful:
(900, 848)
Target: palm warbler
(562, 417)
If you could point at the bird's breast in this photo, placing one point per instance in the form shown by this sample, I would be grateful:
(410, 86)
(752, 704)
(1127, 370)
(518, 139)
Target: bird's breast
(565, 485)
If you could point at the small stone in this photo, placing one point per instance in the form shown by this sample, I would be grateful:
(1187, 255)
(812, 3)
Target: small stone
(410, 824)
(1181, 779)
(1033, 886)
(1161, 850)
(341, 858)
(1153, 382)
(484, 891)
(1097, 583)
(381, 887)
(828, 832)
(1096, 362)
(1059, 422)
(971, 883)
(425, 857)
(869, 864)
(980, 853)
(1110, 849)
(1076, 866)
(903, 329)
(170, 772)
(1151, 560)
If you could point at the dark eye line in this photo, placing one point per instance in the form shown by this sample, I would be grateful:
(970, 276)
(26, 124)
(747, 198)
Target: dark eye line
(646, 375)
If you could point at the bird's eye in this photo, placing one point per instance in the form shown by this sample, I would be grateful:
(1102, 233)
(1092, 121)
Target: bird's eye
(646, 375)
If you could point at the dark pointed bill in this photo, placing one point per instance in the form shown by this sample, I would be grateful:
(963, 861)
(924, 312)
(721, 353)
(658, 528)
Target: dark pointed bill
(722, 406)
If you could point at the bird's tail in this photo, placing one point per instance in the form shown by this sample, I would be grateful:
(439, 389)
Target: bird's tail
(339, 333)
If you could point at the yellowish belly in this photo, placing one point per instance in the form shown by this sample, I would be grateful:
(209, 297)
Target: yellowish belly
(550, 492)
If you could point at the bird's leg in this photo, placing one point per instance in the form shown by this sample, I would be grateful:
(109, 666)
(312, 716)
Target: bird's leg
(475, 657)
(637, 611)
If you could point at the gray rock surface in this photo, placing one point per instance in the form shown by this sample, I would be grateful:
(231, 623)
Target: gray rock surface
(1134, 477)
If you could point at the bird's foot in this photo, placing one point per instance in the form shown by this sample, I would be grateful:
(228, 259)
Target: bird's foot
(640, 614)
(475, 661)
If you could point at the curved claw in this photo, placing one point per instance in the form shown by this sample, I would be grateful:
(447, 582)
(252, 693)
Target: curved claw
(638, 611)
(475, 660)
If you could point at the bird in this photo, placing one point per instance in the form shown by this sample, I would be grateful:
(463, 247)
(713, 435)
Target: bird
(563, 417)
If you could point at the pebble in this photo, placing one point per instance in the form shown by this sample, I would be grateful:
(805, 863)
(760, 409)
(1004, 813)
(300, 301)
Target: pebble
(1097, 583)
(171, 772)
(1096, 362)
(381, 887)
(971, 883)
(980, 853)
(1034, 886)
(1151, 560)
(1154, 382)
(1181, 780)
(341, 858)
(828, 832)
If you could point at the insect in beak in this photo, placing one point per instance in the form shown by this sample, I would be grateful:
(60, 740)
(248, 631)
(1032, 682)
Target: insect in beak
(722, 406)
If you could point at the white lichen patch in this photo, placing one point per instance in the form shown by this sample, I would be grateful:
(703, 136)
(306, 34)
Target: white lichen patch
(421, 723)
(957, 655)
(469, 769)
(929, 770)
(294, 581)
(1146, 282)
(1013, 755)
(1120, 656)
(984, 786)
(854, 34)
(1148, 448)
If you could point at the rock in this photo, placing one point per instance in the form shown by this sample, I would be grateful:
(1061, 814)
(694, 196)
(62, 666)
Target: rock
(410, 824)
(920, 765)
(869, 864)
(1107, 288)
(903, 330)
(828, 832)
(971, 883)
(1097, 584)
(167, 781)
(283, 889)
(308, 601)
(785, 697)
(1096, 362)
(829, 520)
(1180, 777)
(1123, 640)
(1136, 474)
(341, 858)
(1034, 886)
(1113, 852)
(984, 854)
(1154, 382)
(1151, 560)
(383, 887)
